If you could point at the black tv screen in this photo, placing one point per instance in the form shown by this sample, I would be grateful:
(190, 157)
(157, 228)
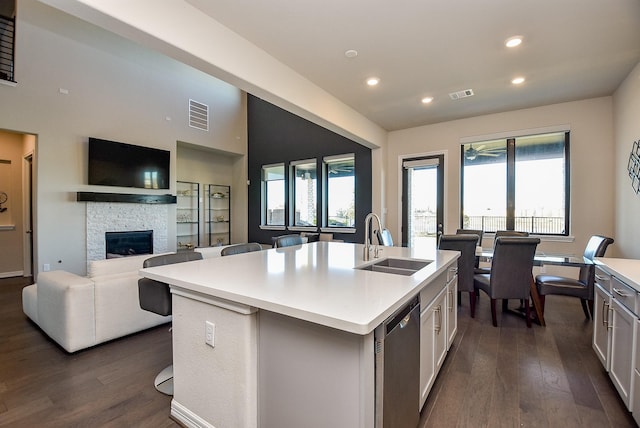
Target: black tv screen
(125, 165)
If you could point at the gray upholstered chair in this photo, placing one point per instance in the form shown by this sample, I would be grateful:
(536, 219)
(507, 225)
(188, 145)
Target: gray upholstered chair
(287, 241)
(466, 244)
(155, 297)
(512, 233)
(581, 287)
(511, 273)
(499, 234)
(240, 248)
(471, 232)
(384, 237)
(477, 268)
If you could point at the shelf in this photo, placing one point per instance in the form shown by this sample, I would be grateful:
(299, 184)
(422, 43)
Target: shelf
(125, 197)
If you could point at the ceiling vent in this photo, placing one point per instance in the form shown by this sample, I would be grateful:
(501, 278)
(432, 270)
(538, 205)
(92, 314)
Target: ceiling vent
(461, 94)
(198, 115)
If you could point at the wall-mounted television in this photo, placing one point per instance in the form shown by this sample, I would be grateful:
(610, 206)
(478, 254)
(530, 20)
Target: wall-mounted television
(126, 165)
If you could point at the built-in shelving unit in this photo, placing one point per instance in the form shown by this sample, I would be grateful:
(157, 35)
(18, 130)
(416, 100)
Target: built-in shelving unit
(187, 215)
(218, 214)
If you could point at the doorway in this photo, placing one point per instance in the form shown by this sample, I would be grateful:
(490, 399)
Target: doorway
(17, 248)
(422, 200)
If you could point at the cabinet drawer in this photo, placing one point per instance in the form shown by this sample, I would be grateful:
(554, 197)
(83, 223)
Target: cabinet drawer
(624, 294)
(430, 292)
(603, 278)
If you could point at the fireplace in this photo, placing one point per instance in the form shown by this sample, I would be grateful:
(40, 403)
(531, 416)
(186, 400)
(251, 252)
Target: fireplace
(123, 244)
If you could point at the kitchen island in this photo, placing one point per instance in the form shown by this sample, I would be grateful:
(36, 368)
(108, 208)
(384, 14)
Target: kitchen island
(293, 333)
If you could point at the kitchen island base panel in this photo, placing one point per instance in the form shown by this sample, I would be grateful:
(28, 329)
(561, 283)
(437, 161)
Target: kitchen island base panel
(313, 376)
(218, 384)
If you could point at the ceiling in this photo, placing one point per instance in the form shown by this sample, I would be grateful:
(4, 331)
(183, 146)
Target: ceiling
(572, 50)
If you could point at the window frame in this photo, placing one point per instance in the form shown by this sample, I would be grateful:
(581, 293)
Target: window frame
(511, 179)
(326, 161)
(292, 195)
(264, 197)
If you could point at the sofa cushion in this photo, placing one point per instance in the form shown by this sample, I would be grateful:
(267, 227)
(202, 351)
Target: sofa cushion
(117, 265)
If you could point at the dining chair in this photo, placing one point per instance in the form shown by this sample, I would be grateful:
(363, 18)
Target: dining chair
(511, 273)
(287, 241)
(581, 287)
(479, 232)
(500, 234)
(240, 248)
(466, 244)
(384, 237)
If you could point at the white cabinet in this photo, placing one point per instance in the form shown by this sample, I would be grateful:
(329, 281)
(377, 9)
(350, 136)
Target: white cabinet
(602, 318)
(452, 308)
(623, 324)
(615, 331)
(636, 377)
(433, 342)
(438, 326)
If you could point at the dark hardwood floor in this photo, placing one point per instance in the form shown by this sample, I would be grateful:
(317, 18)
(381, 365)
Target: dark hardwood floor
(507, 376)
(512, 376)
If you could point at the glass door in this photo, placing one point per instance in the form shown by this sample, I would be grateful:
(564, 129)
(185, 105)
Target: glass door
(422, 200)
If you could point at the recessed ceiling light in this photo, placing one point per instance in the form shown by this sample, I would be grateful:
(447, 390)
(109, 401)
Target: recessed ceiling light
(427, 100)
(373, 81)
(514, 41)
(518, 80)
(351, 53)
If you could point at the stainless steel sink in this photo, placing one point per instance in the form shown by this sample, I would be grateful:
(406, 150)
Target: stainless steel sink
(396, 266)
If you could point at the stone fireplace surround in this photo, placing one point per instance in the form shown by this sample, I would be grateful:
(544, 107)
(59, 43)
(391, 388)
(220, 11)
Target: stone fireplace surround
(105, 217)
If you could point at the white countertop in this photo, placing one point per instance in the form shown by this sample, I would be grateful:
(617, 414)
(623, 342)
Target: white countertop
(315, 282)
(628, 270)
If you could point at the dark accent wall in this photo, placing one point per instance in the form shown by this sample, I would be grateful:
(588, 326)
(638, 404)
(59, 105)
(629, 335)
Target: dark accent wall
(275, 136)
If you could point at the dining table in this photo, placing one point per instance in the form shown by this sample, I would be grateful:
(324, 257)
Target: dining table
(540, 259)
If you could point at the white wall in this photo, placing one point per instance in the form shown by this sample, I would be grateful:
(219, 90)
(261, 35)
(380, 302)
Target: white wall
(117, 90)
(592, 162)
(626, 112)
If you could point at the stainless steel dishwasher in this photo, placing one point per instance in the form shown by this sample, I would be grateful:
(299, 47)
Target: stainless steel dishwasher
(397, 365)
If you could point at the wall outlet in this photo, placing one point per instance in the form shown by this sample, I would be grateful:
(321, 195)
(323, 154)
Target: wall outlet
(46, 267)
(209, 333)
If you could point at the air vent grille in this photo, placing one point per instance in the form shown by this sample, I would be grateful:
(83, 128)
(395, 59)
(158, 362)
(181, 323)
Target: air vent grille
(198, 115)
(461, 94)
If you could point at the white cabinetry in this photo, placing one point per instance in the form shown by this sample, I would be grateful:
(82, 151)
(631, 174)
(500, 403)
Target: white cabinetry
(438, 326)
(623, 324)
(636, 377)
(615, 332)
(452, 307)
(602, 318)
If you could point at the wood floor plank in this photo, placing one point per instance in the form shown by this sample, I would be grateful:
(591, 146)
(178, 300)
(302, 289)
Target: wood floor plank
(494, 376)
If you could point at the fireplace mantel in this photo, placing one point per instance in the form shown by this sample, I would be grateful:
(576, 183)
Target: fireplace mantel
(125, 197)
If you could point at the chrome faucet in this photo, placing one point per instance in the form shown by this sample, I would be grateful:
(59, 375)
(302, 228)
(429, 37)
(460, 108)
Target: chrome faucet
(367, 241)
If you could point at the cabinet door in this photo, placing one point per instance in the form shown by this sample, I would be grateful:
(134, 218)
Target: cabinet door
(452, 310)
(636, 377)
(601, 323)
(622, 345)
(433, 342)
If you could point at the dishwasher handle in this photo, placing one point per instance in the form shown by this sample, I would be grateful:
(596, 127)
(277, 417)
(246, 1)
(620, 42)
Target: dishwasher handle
(402, 317)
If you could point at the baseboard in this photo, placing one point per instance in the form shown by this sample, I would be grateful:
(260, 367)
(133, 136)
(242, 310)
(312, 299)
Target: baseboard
(11, 274)
(187, 417)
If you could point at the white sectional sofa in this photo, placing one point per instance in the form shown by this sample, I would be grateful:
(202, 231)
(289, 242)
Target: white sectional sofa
(79, 312)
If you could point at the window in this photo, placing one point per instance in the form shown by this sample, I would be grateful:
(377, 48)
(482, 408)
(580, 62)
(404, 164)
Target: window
(7, 44)
(305, 193)
(273, 195)
(518, 183)
(340, 191)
